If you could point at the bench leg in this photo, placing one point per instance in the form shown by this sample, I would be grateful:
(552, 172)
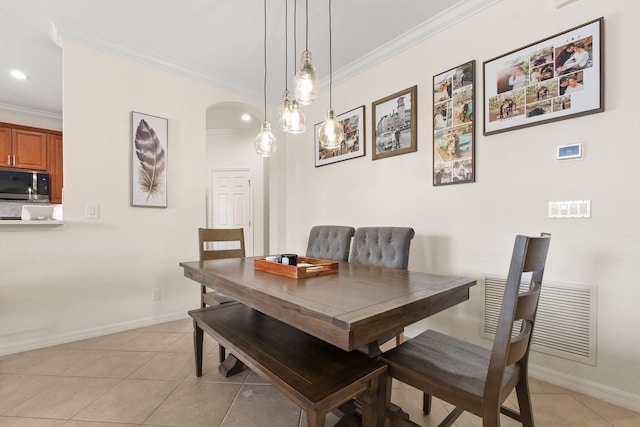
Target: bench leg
(426, 403)
(221, 353)
(373, 402)
(316, 419)
(198, 338)
(381, 400)
(230, 366)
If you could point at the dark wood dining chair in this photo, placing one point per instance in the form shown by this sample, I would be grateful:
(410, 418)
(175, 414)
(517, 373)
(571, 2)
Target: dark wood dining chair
(330, 242)
(470, 377)
(219, 243)
(383, 246)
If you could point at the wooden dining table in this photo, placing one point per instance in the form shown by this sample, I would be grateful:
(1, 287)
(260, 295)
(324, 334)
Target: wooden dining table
(358, 307)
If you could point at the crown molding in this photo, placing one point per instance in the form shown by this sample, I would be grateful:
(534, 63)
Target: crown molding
(59, 31)
(561, 3)
(444, 20)
(31, 111)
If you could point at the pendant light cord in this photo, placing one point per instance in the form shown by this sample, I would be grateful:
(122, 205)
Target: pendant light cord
(306, 36)
(286, 43)
(330, 62)
(265, 61)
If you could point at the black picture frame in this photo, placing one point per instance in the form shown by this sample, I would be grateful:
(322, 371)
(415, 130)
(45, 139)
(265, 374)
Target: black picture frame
(354, 143)
(530, 86)
(454, 125)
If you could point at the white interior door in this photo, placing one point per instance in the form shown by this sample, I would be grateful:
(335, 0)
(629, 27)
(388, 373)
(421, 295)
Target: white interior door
(231, 202)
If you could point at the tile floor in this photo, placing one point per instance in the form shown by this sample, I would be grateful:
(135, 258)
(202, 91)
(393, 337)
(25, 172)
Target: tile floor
(145, 377)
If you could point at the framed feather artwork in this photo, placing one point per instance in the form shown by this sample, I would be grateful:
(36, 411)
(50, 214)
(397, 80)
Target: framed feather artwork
(149, 161)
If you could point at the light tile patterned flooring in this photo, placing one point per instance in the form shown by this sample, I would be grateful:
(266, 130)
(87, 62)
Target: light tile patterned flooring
(145, 377)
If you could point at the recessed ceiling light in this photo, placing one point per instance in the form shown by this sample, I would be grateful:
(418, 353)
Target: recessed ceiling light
(246, 117)
(18, 75)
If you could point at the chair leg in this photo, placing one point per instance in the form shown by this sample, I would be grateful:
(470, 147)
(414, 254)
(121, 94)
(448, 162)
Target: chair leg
(426, 403)
(524, 402)
(198, 338)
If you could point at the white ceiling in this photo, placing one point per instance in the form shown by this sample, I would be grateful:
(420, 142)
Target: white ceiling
(216, 41)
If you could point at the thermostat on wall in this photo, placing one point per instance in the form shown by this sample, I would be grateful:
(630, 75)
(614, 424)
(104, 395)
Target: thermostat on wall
(572, 151)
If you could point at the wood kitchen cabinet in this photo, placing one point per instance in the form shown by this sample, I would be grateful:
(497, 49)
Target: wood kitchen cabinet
(54, 152)
(5, 146)
(23, 147)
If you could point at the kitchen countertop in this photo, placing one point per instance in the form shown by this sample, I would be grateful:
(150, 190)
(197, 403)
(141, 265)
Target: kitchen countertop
(20, 222)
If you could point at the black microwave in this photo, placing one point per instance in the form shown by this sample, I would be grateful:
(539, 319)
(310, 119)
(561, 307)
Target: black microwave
(18, 184)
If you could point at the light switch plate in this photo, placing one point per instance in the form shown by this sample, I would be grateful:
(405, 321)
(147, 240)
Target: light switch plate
(570, 209)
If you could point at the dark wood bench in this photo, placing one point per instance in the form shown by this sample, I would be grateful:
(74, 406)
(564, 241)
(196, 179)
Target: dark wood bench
(315, 375)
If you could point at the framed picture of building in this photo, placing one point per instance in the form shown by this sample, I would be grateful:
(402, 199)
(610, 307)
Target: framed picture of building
(395, 124)
(149, 161)
(454, 125)
(553, 79)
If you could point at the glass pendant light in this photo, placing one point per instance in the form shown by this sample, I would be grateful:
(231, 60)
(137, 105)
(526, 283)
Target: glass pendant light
(305, 82)
(284, 111)
(265, 143)
(330, 133)
(296, 116)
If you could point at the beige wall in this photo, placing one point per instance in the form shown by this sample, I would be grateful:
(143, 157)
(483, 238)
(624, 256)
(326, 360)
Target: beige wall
(97, 276)
(468, 229)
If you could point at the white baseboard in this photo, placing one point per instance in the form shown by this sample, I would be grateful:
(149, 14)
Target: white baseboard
(90, 333)
(608, 394)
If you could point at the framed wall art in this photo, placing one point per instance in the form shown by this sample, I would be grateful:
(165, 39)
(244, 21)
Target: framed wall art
(454, 125)
(395, 124)
(353, 144)
(553, 79)
(149, 161)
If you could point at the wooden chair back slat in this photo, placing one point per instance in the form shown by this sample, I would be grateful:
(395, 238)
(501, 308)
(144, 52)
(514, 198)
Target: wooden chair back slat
(209, 236)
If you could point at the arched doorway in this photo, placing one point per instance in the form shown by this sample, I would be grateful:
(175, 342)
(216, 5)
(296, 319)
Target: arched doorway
(236, 177)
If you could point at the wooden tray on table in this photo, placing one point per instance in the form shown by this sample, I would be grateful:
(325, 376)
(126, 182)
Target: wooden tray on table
(307, 267)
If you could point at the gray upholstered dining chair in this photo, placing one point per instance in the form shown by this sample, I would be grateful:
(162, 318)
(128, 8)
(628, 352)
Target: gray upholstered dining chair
(383, 246)
(330, 242)
(471, 377)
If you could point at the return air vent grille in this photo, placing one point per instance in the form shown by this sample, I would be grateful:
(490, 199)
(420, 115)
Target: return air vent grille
(566, 320)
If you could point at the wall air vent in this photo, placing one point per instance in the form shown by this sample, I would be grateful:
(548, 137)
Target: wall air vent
(566, 320)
